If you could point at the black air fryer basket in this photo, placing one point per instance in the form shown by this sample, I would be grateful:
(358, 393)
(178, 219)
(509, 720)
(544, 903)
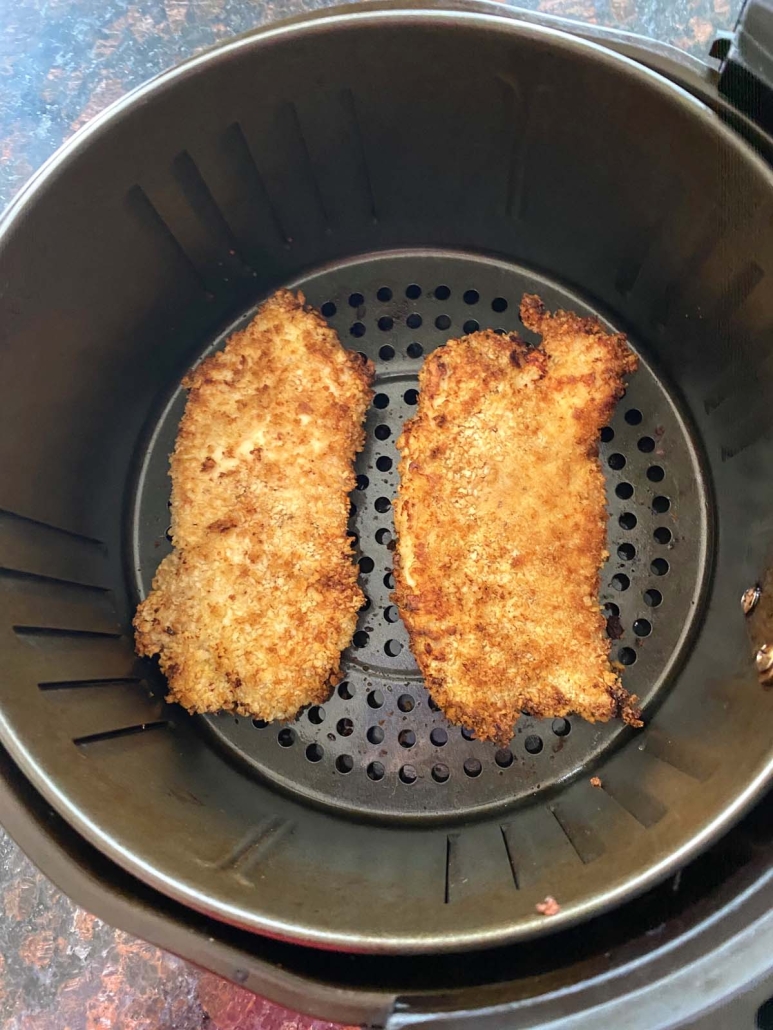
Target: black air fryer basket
(414, 171)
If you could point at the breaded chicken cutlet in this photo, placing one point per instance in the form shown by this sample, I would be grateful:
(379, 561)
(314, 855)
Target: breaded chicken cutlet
(501, 524)
(252, 609)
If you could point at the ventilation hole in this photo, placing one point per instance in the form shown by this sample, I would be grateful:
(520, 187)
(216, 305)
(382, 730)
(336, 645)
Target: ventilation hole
(344, 763)
(607, 434)
(314, 752)
(471, 326)
(406, 703)
(433, 705)
(633, 416)
(382, 505)
(472, 767)
(411, 396)
(383, 464)
(391, 613)
(357, 329)
(382, 432)
(653, 598)
(414, 350)
(504, 758)
(365, 605)
(393, 648)
(286, 737)
(328, 309)
(406, 738)
(375, 771)
(389, 581)
(352, 509)
(467, 733)
(611, 609)
(642, 627)
(360, 638)
(561, 727)
(375, 699)
(626, 656)
(442, 322)
(385, 323)
(627, 552)
(386, 353)
(646, 445)
(345, 727)
(660, 505)
(362, 482)
(366, 564)
(408, 774)
(624, 491)
(440, 772)
(381, 401)
(317, 715)
(384, 294)
(627, 520)
(442, 293)
(620, 582)
(168, 534)
(662, 535)
(655, 474)
(383, 536)
(259, 724)
(659, 567)
(413, 292)
(499, 304)
(533, 744)
(355, 300)
(438, 736)
(345, 691)
(501, 332)
(471, 297)
(616, 461)
(375, 735)
(413, 321)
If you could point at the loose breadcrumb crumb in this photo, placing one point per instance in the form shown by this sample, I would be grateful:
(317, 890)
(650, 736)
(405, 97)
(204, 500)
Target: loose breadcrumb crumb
(548, 907)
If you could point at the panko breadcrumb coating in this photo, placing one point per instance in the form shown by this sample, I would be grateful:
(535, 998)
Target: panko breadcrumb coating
(253, 607)
(501, 522)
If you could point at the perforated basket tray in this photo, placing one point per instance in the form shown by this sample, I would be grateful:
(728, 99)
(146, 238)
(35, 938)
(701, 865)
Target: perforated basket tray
(380, 725)
(410, 192)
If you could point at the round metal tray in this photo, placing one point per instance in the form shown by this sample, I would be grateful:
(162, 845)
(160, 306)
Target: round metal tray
(379, 747)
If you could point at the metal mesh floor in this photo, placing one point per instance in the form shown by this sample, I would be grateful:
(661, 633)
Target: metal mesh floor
(379, 747)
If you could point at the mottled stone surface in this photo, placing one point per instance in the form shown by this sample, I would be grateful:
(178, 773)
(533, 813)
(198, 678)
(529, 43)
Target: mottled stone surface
(63, 969)
(61, 63)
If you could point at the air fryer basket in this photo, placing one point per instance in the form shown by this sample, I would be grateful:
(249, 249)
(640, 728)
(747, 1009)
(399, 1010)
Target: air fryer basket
(414, 172)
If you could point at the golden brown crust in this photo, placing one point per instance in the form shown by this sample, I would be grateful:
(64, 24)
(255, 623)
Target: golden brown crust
(252, 609)
(501, 524)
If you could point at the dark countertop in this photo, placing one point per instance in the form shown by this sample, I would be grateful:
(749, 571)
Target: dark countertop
(61, 63)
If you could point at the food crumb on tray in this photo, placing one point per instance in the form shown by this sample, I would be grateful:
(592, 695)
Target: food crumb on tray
(595, 781)
(548, 907)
